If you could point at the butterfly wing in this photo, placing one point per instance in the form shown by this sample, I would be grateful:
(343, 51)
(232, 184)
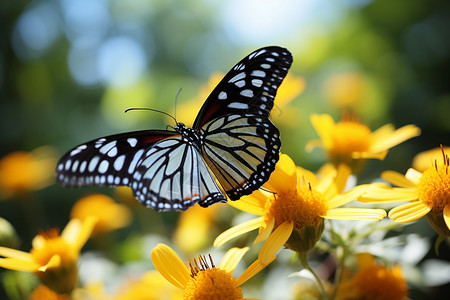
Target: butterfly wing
(242, 151)
(174, 176)
(109, 160)
(249, 87)
(240, 143)
(163, 170)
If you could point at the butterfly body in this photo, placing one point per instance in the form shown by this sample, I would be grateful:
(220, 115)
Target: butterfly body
(231, 150)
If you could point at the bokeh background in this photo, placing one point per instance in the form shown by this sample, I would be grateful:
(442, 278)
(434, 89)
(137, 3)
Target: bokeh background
(69, 69)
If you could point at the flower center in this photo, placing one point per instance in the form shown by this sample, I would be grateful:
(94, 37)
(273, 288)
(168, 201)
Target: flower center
(377, 283)
(211, 283)
(350, 136)
(305, 207)
(53, 244)
(434, 187)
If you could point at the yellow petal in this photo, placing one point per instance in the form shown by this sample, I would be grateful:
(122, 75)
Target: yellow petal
(342, 175)
(381, 133)
(19, 264)
(253, 203)
(413, 175)
(369, 155)
(238, 230)
(170, 265)
(355, 214)
(77, 232)
(264, 234)
(284, 178)
(276, 240)
(388, 195)
(397, 137)
(232, 258)
(409, 212)
(349, 196)
(397, 179)
(54, 262)
(447, 215)
(253, 269)
(324, 125)
(426, 159)
(12, 253)
(305, 176)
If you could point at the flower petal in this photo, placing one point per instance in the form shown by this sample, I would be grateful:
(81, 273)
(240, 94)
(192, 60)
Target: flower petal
(347, 197)
(13, 253)
(170, 265)
(355, 214)
(276, 240)
(409, 212)
(253, 203)
(77, 232)
(284, 178)
(54, 262)
(265, 233)
(388, 195)
(413, 175)
(19, 264)
(232, 258)
(446, 214)
(397, 179)
(253, 269)
(389, 140)
(323, 124)
(238, 230)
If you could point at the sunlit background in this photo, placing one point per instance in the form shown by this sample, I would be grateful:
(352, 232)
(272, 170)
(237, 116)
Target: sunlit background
(69, 69)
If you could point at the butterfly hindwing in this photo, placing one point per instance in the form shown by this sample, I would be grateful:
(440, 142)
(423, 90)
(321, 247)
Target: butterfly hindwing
(249, 87)
(173, 176)
(241, 151)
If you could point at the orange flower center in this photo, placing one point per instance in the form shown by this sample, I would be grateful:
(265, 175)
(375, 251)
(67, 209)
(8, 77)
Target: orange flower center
(350, 136)
(303, 207)
(211, 283)
(378, 283)
(434, 187)
(54, 244)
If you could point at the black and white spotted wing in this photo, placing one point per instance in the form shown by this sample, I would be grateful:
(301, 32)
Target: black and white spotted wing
(232, 141)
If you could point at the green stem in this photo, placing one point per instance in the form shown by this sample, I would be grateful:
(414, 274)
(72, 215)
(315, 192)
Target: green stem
(304, 262)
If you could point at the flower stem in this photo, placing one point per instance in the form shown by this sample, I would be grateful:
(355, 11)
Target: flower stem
(304, 262)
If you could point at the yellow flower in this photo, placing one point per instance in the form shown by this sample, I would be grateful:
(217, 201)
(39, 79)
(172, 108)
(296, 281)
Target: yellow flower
(42, 292)
(346, 89)
(203, 280)
(149, 287)
(427, 192)
(22, 172)
(110, 214)
(293, 215)
(194, 226)
(424, 160)
(373, 281)
(351, 142)
(53, 257)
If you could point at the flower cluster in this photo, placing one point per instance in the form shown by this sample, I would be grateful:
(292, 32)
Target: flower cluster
(299, 222)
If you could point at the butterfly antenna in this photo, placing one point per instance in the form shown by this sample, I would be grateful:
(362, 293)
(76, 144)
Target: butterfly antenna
(176, 98)
(151, 109)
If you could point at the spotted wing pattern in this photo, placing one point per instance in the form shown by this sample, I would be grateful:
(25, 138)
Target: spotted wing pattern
(240, 143)
(249, 87)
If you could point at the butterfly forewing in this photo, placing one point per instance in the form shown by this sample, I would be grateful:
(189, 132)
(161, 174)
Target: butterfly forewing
(242, 151)
(249, 87)
(110, 160)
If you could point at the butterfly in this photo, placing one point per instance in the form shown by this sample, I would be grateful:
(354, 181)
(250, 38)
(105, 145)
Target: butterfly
(231, 149)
